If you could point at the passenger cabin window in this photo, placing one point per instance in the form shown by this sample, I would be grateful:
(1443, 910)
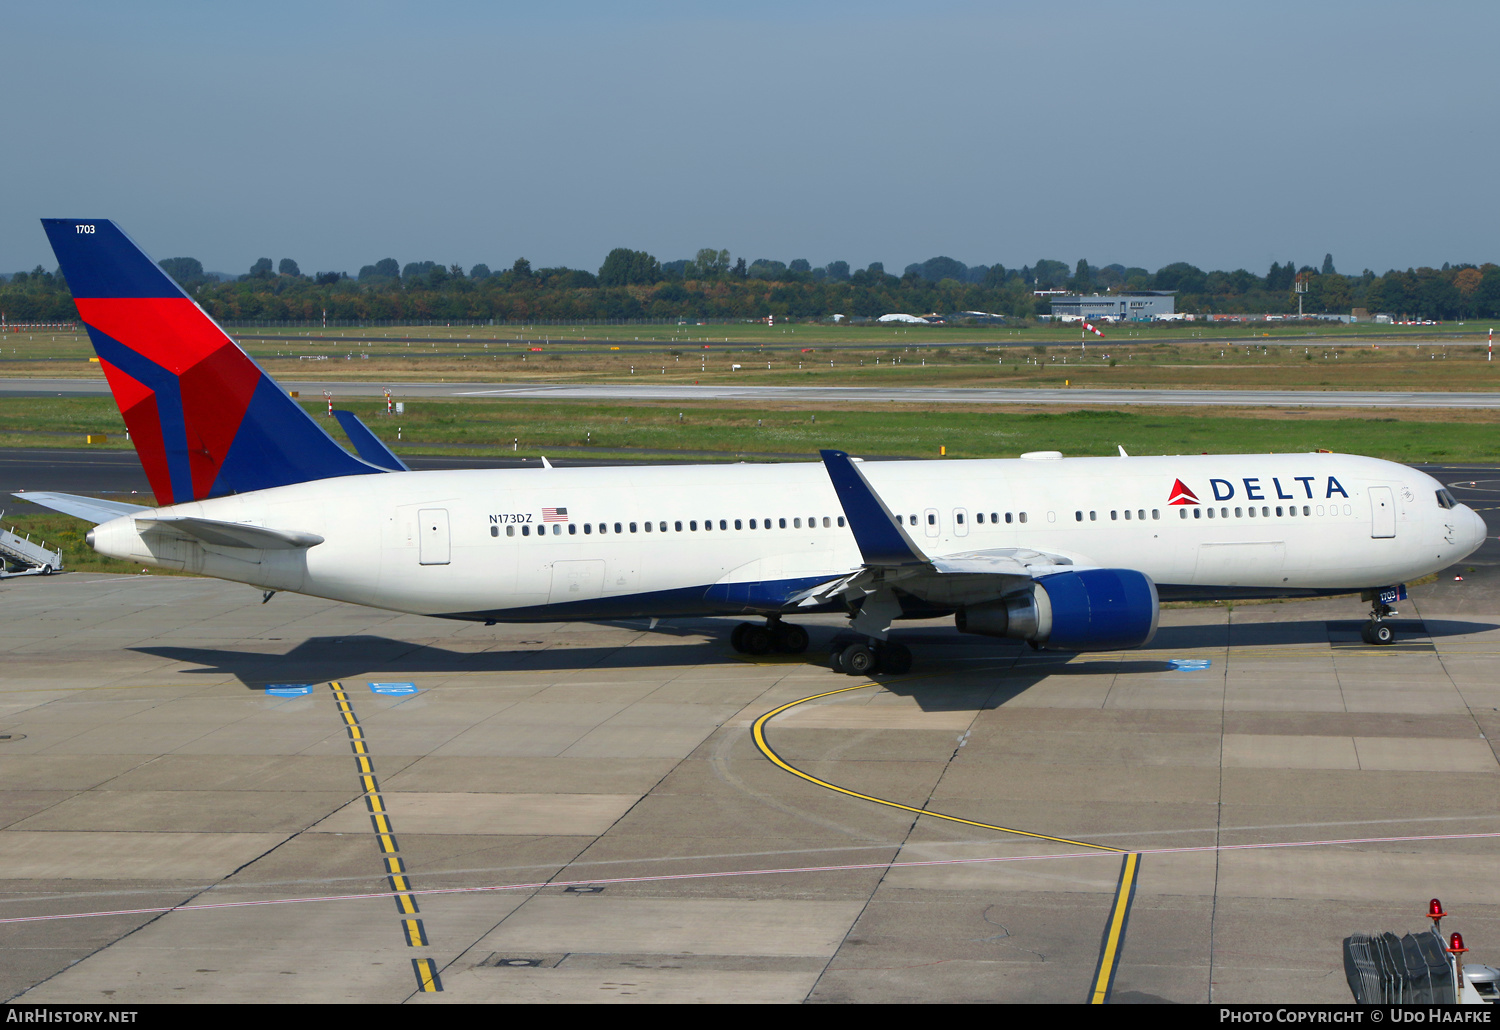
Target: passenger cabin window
(1023, 517)
(648, 527)
(572, 529)
(1155, 513)
(632, 527)
(677, 526)
(723, 524)
(494, 531)
(693, 525)
(958, 517)
(525, 530)
(510, 530)
(932, 520)
(1078, 516)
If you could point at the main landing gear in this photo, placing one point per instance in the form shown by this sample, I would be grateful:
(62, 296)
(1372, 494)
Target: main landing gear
(867, 657)
(775, 635)
(1377, 630)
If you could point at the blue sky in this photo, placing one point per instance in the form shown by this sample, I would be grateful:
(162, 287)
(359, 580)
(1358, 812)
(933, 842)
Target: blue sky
(1227, 135)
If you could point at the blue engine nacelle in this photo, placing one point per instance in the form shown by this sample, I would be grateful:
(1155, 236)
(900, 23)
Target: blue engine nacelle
(1087, 610)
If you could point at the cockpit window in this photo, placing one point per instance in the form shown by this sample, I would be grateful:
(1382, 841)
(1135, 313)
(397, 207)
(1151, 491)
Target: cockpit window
(1445, 499)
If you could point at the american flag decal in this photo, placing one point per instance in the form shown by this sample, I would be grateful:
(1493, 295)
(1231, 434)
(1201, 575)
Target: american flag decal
(554, 514)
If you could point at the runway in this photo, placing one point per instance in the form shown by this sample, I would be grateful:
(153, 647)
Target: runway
(729, 392)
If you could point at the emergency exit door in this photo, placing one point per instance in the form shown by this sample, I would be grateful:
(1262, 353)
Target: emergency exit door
(432, 536)
(1382, 512)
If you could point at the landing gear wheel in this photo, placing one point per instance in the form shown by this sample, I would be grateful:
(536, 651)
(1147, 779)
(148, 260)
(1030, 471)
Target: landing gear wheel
(737, 637)
(895, 659)
(836, 660)
(1364, 632)
(1381, 633)
(789, 639)
(859, 660)
(755, 639)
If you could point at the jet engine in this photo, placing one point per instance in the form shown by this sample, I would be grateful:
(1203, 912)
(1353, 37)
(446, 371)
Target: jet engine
(1086, 610)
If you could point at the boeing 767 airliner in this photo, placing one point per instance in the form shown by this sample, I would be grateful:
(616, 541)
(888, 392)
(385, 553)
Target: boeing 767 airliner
(1065, 553)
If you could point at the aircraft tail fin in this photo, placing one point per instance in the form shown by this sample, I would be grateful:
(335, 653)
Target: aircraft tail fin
(205, 419)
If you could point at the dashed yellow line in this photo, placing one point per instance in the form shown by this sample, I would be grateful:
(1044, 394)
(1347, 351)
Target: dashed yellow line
(412, 930)
(427, 975)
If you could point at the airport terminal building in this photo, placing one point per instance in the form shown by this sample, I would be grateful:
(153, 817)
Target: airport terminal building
(1131, 305)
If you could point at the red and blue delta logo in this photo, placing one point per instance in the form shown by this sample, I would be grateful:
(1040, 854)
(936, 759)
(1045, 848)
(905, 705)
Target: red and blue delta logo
(1255, 488)
(1181, 494)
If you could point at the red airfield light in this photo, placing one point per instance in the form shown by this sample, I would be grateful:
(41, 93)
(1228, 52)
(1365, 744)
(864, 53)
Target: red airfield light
(1435, 909)
(1456, 943)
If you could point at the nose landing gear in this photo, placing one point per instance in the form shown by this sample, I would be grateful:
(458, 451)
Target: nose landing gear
(1377, 630)
(775, 635)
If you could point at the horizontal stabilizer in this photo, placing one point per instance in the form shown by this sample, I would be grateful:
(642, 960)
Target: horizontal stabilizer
(90, 509)
(369, 446)
(881, 541)
(229, 534)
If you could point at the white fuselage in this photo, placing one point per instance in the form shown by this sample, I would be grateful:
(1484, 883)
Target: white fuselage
(480, 544)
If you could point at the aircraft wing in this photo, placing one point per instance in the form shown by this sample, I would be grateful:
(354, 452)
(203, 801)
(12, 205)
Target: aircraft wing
(90, 509)
(894, 562)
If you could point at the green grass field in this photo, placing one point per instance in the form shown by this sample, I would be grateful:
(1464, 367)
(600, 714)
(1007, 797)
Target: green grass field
(1336, 357)
(724, 432)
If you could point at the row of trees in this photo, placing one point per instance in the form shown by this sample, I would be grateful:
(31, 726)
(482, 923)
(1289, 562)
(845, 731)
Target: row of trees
(634, 284)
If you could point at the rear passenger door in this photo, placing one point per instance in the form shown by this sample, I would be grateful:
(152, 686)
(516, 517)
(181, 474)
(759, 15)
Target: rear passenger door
(433, 544)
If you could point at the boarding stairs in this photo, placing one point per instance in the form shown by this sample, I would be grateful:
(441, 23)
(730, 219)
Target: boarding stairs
(19, 556)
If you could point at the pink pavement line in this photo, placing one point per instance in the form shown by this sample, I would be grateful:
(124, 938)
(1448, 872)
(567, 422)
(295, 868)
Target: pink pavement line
(747, 872)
